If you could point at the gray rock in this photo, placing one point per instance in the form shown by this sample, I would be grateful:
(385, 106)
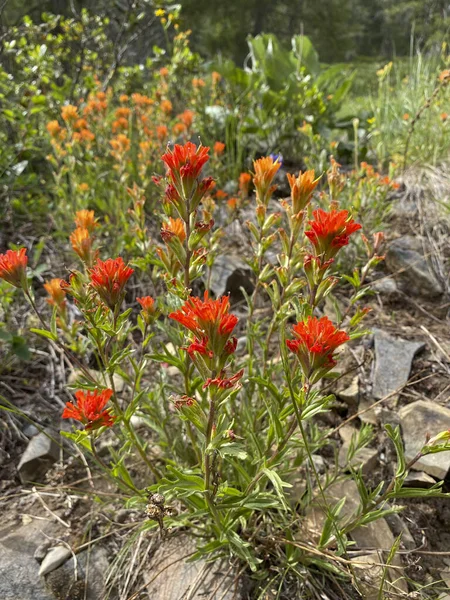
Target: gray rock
(228, 274)
(54, 558)
(41, 551)
(399, 527)
(350, 395)
(368, 570)
(406, 260)
(194, 579)
(419, 480)
(68, 582)
(19, 571)
(418, 419)
(385, 286)
(40, 454)
(376, 536)
(367, 458)
(393, 360)
(30, 430)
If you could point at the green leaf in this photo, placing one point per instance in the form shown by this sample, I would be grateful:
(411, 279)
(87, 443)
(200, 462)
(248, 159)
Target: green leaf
(81, 438)
(44, 333)
(278, 484)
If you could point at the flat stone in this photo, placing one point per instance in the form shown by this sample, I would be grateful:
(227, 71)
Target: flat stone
(19, 571)
(228, 274)
(40, 454)
(393, 360)
(194, 579)
(367, 458)
(54, 558)
(416, 277)
(418, 419)
(386, 286)
(63, 583)
(350, 395)
(376, 536)
(419, 479)
(368, 570)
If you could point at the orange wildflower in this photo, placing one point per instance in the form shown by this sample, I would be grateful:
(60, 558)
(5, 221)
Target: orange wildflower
(69, 113)
(210, 322)
(444, 116)
(172, 228)
(141, 100)
(80, 124)
(316, 341)
(57, 296)
(82, 244)
(120, 144)
(244, 183)
(218, 148)
(215, 77)
(405, 117)
(178, 128)
(164, 71)
(89, 409)
(221, 194)
(54, 128)
(86, 219)
(13, 267)
(187, 117)
(120, 125)
(330, 231)
(265, 170)
(123, 98)
(83, 187)
(123, 112)
(302, 188)
(162, 132)
(166, 106)
(108, 279)
(148, 308)
(198, 83)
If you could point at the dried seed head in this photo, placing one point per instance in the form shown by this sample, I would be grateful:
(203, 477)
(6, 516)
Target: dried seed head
(158, 499)
(153, 512)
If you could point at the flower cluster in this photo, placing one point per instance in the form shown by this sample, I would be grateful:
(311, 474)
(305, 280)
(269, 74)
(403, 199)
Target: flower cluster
(108, 279)
(13, 267)
(90, 409)
(314, 344)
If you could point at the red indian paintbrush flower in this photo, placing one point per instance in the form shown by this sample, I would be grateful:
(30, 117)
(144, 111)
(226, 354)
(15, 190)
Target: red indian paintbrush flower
(208, 319)
(148, 308)
(13, 267)
(173, 228)
(86, 219)
(109, 278)
(330, 231)
(89, 409)
(315, 342)
(82, 244)
(185, 164)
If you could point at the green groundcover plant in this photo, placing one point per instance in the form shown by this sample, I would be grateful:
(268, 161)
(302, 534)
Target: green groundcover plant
(225, 424)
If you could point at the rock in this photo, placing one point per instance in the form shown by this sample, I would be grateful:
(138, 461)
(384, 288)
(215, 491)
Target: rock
(376, 535)
(63, 585)
(418, 419)
(19, 571)
(369, 415)
(228, 274)
(445, 576)
(41, 551)
(54, 558)
(369, 573)
(194, 579)
(405, 254)
(350, 395)
(365, 457)
(393, 359)
(40, 454)
(386, 286)
(30, 430)
(399, 527)
(419, 479)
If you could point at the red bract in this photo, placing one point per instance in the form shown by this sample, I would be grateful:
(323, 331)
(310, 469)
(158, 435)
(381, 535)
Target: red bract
(148, 308)
(316, 340)
(13, 267)
(89, 409)
(224, 383)
(330, 231)
(208, 319)
(188, 158)
(185, 164)
(109, 278)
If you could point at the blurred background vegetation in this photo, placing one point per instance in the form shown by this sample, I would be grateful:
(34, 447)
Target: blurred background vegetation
(340, 30)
